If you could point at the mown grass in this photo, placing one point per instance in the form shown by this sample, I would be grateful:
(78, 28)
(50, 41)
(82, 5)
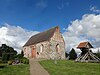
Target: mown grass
(15, 70)
(66, 67)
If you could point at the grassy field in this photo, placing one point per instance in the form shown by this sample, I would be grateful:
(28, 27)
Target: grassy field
(66, 67)
(15, 70)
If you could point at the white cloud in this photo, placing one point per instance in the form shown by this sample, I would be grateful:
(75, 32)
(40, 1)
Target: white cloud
(14, 36)
(86, 29)
(94, 9)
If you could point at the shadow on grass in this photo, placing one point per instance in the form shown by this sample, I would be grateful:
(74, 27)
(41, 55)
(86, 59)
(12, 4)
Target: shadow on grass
(2, 66)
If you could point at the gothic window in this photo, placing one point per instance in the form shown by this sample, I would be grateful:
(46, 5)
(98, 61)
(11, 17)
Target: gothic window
(41, 48)
(57, 48)
(37, 53)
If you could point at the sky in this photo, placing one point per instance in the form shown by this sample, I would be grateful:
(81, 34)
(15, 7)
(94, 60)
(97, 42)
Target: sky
(79, 20)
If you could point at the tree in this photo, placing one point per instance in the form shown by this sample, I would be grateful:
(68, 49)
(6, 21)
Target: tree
(7, 53)
(22, 53)
(98, 53)
(66, 54)
(72, 54)
(0, 52)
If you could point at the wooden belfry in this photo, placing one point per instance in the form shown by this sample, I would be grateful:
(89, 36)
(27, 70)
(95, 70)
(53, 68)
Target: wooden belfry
(87, 54)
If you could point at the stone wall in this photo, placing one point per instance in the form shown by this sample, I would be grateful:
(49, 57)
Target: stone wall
(48, 49)
(42, 48)
(27, 51)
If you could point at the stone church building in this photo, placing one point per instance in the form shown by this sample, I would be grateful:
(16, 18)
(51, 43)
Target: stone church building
(48, 45)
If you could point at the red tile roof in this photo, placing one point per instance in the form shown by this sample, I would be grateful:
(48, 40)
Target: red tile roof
(84, 45)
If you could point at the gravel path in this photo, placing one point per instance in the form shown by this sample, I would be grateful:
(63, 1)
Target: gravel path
(36, 68)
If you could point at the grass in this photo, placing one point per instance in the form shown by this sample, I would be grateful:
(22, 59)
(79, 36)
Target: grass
(15, 70)
(66, 67)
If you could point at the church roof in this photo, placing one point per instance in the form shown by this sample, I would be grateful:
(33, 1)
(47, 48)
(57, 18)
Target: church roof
(84, 45)
(41, 37)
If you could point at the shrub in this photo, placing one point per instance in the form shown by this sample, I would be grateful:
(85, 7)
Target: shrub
(0, 61)
(25, 60)
(22, 53)
(19, 56)
(10, 62)
(4, 58)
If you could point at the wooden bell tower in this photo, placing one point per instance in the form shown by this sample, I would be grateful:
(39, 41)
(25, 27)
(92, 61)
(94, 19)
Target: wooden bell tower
(87, 54)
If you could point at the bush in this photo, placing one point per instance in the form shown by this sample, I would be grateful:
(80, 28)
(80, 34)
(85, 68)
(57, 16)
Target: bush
(10, 62)
(1, 61)
(19, 56)
(25, 61)
(4, 58)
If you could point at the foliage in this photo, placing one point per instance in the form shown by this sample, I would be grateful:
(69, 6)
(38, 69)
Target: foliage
(10, 62)
(22, 59)
(0, 52)
(7, 53)
(22, 53)
(19, 56)
(97, 54)
(0, 61)
(25, 60)
(72, 54)
(4, 58)
(66, 54)
(69, 67)
(15, 70)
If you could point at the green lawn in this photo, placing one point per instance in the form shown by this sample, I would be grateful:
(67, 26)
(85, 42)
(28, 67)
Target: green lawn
(15, 70)
(66, 67)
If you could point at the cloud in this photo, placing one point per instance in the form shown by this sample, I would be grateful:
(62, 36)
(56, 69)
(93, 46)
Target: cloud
(94, 9)
(86, 29)
(14, 36)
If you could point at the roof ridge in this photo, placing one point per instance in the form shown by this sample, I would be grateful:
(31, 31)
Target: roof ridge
(86, 43)
(45, 30)
(50, 29)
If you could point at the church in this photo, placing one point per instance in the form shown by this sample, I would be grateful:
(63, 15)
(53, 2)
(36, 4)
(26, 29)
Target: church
(47, 45)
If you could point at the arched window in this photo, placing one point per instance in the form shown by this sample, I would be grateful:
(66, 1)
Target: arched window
(37, 53)
(57, 48)
(41, 48)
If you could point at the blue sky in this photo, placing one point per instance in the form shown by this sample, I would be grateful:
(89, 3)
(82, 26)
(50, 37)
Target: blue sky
(79, 20)
(40, 15)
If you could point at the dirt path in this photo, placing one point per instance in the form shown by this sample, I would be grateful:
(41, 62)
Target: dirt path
(36, 68)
